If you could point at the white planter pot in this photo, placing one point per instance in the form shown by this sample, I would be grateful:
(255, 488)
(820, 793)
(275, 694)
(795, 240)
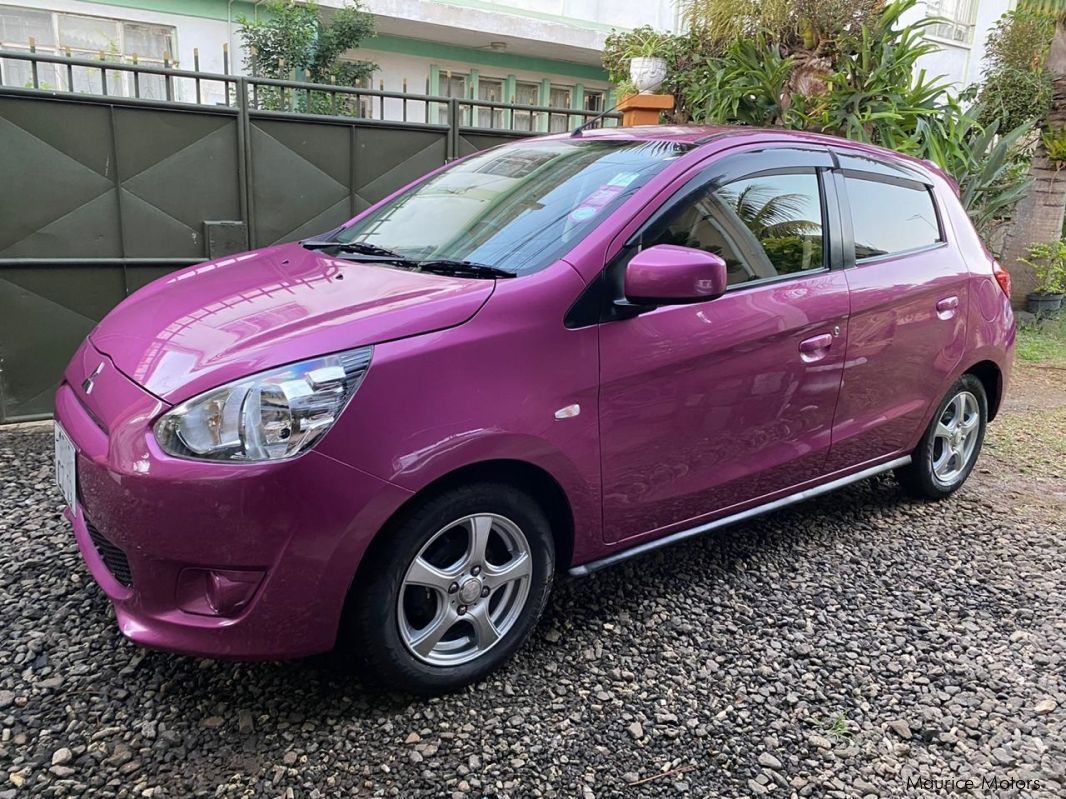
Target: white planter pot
(647, 73)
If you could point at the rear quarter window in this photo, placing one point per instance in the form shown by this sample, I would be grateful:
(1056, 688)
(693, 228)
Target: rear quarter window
(888, 218)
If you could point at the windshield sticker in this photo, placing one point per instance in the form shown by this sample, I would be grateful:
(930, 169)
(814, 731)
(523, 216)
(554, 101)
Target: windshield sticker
(623, 179)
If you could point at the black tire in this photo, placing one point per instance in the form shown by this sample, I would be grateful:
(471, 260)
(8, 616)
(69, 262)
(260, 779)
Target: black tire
(919, 478)
(373, 623)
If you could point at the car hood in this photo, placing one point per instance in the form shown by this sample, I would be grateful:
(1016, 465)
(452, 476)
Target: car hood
(222, 320)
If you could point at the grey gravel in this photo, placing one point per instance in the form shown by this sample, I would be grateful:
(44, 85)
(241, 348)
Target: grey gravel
(835, 649)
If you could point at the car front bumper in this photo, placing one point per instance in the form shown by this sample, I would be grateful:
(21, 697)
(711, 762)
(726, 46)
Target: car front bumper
(155, 531)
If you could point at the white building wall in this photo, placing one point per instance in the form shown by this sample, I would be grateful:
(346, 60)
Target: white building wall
(191, 32)
(395, 68)
(961, 64)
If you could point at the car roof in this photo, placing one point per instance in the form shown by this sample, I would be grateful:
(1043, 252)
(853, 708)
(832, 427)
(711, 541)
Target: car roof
(701, 135)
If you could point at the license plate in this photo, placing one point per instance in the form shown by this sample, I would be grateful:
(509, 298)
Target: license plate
(65, 464)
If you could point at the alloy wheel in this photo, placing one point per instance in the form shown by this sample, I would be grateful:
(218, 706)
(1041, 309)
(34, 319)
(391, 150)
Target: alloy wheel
(464, 590)
(955, 437)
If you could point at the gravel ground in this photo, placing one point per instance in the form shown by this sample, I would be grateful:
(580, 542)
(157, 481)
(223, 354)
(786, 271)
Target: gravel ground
(847, 647)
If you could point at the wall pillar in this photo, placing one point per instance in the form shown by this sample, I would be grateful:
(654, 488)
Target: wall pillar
(644, 109)
(544, 100)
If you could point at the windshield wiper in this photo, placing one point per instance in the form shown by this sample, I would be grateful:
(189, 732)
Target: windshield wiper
(444, 266)
(359, 247)
(450, 266)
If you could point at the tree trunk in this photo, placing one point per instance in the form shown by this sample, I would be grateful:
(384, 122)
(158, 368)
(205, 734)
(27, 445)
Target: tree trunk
(1039, 215)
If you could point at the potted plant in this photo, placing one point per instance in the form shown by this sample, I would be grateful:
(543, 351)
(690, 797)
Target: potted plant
(1049, 262)
(643, 53)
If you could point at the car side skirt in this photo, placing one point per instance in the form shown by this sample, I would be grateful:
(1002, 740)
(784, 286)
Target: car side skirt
(587, 568)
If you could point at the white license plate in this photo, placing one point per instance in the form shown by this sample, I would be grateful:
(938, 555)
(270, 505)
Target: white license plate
(65, 460)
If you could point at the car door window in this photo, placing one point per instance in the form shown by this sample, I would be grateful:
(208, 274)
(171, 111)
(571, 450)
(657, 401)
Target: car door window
(763, 226)
(889, 218)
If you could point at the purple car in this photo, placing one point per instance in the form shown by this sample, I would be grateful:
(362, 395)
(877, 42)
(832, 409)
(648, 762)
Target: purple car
(549, 356)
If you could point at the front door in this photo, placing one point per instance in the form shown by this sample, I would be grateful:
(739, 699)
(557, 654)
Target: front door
(707, 406)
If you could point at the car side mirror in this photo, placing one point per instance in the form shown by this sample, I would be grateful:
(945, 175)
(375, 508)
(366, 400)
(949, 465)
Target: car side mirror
(667, 274)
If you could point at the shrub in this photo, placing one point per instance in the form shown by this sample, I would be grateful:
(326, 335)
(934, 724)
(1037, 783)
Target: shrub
(1016, 86)
(1049, 263)
(290, 37)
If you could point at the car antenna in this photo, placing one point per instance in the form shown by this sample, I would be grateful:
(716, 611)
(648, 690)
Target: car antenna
(576, 133)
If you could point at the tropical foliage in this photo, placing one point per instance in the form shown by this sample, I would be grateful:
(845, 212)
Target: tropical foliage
(850, 69)
(290, 40)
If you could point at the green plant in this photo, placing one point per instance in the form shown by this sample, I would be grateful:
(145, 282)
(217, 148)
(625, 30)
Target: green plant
(990, 168)
(1014, 96)
(1019, 40)
(837, 727)
(745, 85)
(1048, 260)
(1016, 87)
(811, 25)
(858, 83)
(1054, 140)
(291, 38)
(643, 42)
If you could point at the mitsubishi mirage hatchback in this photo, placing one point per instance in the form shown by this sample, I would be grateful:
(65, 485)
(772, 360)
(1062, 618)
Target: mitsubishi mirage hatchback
(549, 356)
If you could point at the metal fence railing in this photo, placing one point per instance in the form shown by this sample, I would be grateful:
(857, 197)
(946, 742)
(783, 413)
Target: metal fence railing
(35, 72)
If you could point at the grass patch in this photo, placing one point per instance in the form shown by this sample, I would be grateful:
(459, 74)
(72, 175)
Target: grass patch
(1043, 342)
(837, 727)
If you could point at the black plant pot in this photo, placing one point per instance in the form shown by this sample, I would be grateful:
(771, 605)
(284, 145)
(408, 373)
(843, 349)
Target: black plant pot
(1044, 304)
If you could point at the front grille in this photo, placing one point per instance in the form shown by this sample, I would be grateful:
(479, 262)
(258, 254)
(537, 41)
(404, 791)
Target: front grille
(113, 557)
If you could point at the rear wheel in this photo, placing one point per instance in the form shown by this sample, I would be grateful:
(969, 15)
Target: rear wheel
(948, 451)
(454, 591)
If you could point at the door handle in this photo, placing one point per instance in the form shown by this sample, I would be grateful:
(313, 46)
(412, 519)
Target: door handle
(816, 347)
(945, 308)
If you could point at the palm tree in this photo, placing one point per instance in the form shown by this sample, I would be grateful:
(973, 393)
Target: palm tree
(1039, 215)
(768, 214)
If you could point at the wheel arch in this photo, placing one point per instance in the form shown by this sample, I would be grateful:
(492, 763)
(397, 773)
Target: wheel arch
(991, 377)
(529, 477)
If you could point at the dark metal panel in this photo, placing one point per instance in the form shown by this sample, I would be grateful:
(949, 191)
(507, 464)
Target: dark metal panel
(48, 311)
(386, 160)
(141, 275)
(473, 141)
(299, 178)
(58, 180)
(177, 170)
(224, 237)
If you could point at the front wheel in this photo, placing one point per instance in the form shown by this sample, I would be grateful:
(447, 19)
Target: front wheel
(948, 451)
(454, 589)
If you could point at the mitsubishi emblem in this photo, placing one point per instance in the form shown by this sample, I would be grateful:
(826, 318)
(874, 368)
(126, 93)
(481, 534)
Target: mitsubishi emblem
(87, 383)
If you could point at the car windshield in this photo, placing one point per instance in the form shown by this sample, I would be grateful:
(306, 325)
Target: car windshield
(516, 208)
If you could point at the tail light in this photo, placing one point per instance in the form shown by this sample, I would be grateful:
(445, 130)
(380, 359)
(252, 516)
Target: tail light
(1002, 277)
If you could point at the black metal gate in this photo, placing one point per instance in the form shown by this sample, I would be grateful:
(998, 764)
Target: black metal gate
(102, 193)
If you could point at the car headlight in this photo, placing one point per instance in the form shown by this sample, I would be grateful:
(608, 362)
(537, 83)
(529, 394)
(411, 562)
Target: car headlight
(269, 416)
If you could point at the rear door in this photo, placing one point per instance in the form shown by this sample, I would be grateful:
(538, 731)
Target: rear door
(908, 287)
(707, 406)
